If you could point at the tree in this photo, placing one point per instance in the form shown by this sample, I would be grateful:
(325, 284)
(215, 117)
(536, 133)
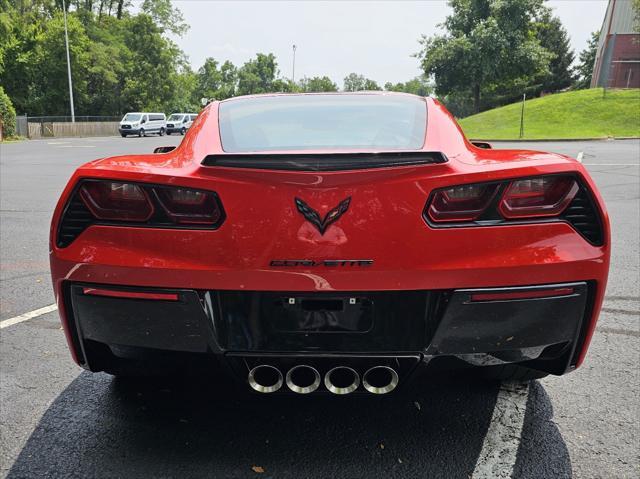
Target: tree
(119, 61)
(165, 16)
(153, 62)
(636, 14)
(7, 115)
(49, 92)
(260, 75)
(554, 38)
(420, 86)
(487, 43)
(214, 82)
(184, 97)
(317, 84)
(355, 82)
(587, 61)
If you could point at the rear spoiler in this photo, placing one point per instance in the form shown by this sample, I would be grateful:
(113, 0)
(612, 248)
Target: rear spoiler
(324, 161)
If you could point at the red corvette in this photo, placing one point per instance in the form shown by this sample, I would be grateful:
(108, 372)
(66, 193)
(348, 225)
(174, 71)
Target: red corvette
(330, 242)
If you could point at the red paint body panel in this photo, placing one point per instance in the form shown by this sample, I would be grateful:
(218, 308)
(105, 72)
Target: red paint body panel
(383, 224)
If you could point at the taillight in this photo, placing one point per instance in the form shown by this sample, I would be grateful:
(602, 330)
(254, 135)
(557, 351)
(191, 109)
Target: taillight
(120, 203)
(538, 197)
(185, 206)
(461, 203)
(111, 200)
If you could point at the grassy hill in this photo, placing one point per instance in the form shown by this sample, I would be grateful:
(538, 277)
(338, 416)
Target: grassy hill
(575, 114)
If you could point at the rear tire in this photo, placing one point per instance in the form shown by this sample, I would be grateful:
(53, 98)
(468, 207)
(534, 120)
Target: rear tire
(512, 373)
(161, 131)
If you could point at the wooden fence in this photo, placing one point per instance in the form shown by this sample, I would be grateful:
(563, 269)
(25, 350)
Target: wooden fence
(81, 128)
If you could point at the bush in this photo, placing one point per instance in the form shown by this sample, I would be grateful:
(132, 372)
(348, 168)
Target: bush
(7, 115)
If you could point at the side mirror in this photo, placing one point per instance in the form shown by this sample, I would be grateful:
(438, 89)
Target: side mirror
(164, 149)
(143, 121)
(482, 144)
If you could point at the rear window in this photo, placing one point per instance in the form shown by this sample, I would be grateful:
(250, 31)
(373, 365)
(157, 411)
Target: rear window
(309, 122)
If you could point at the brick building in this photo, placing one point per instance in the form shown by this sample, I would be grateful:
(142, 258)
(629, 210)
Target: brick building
(617, 62)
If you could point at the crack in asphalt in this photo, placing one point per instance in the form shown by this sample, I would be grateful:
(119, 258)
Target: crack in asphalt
(631, 312)
(624, 332)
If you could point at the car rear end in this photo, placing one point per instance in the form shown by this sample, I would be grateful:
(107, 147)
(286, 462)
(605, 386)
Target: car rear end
(315, 266)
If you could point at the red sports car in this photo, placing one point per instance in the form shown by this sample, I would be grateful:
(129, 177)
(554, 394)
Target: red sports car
(330, 242)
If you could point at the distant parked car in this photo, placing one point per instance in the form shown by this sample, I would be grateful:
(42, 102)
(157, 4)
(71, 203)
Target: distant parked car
(143, 123)
(180, 122)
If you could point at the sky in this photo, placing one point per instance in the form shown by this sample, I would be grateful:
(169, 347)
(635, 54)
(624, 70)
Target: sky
(335, 38)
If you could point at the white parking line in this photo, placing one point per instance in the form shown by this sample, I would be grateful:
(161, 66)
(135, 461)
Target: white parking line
(580, 156)
(611, 164)
(26, 316)
(500, 447)
(76, 146)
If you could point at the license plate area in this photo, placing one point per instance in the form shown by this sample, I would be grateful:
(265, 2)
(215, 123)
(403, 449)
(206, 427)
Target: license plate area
(301, 321)
(301, 314)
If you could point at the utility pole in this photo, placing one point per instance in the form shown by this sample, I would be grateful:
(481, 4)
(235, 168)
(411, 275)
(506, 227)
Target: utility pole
(66, 41)
(293, 72)
(524, 97)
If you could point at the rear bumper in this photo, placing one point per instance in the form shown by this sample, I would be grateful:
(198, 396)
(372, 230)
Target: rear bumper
(546, 332)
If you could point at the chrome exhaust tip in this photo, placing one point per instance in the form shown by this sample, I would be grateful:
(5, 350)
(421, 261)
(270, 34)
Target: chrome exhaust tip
(265, 379)
(303, 379)
(342, 380)
(380, 379)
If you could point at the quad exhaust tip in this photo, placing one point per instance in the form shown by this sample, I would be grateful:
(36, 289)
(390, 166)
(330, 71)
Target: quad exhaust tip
(380, 379)
(303, 379)
(342, 380)
(265, 378)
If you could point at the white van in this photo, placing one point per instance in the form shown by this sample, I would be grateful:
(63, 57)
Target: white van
(180, 122)
(142, 123)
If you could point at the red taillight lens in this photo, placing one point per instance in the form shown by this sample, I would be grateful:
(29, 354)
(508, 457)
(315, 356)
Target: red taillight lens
(514, 295)
(112, 293)
(461, 203)
(111, 200)
(538, 197)
(192, 207)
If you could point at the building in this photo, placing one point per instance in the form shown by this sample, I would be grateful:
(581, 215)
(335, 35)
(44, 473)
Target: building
(617, 62)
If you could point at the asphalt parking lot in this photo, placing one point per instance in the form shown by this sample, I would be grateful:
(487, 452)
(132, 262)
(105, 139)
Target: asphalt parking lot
(58, 421)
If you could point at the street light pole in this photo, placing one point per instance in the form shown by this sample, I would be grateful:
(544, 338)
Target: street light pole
(66, 41)
(293, 73)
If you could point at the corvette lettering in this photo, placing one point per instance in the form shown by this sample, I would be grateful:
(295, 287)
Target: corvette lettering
(310, 263)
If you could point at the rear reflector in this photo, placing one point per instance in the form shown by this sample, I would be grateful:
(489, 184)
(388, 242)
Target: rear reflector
(111, 293)
(512, 295)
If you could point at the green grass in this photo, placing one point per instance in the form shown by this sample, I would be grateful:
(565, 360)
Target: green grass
(575, 114)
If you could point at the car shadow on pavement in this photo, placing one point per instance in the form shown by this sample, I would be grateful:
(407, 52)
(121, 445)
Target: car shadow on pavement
(102, 427)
